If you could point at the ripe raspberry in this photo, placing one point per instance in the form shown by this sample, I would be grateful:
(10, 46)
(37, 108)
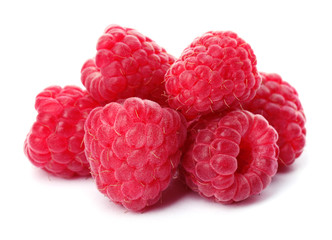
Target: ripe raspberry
(279, 103)
(127, 64)
(134, 149)
(217, 71)
(55, 141)
(230, 158)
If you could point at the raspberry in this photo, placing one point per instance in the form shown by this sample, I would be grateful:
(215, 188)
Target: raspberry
(127, 64)
(55, 141)
(134, 148)
(230, 158)
(217, 71)
(279, 103)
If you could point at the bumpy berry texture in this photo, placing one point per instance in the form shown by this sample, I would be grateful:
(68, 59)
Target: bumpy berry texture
(230, 158)
(217, 71)
(127, 64)
(134, 148)
(55, 141)
(279, 103)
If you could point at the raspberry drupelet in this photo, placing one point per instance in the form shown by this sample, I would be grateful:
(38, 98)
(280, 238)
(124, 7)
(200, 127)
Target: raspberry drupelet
(127, 64)
(134, 147)
(55, 141)
(215, 72)
(279, 103)
(230, 158)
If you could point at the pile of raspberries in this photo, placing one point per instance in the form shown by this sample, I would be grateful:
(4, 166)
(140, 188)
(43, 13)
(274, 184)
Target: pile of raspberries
(208, 117)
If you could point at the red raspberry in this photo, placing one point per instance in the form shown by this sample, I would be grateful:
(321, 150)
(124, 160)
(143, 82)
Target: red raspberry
(217, 71)
(134, 149)
(279, 103)
(127, 64)
(230, 158)
(55, 141)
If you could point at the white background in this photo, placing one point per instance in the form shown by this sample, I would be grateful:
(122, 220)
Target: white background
(45, 43)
